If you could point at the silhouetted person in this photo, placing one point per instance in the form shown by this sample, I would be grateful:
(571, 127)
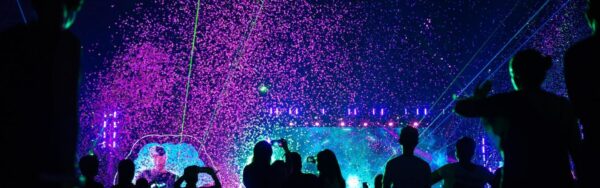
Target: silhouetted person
(496, 181)
(159, 176)
(88, 166)
(190, 176)
(463, 174)
(125, 174)
(582, 83)
(330, 175)
(278, 174)
(142, 183)
(297, 179)
(407, 170)
(378, 181)
(39, 72)
(256, 174)
(536, 128)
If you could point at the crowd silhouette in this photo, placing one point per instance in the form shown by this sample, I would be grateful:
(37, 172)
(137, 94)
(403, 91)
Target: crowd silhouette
(538, 131)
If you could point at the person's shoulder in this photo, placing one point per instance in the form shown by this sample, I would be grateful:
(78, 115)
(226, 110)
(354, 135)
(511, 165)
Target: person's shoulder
(582, 48)
(421, 161)
(584, 44)
(248, 167)
(449, 166)
(482, 171)
(552, 96)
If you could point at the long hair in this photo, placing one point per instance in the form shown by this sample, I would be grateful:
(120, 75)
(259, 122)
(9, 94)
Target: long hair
(329, 169)
(262, 153)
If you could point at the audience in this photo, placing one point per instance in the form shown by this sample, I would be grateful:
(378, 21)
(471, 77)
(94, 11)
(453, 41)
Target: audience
(88, 166)
(407, 170)
(330, 175)
(464, 173)
(536, 128)
(297, 179)
(125, 174)
(582, 86)
(256, 174)
(278, 174)
(538, 131)
(142, 183)
(190, 177)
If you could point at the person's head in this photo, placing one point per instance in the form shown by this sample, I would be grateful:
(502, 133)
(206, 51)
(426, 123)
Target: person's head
(89, 166)
(142, 183)
(295, 161)
(190, 174)
(159, 156)
(528, 69)
(59, 13)
(262, 153)
(278, 170)
(409, 138)
(328, 166)
(126, 171)
(378, 180)
(465, 149)
(593, 14)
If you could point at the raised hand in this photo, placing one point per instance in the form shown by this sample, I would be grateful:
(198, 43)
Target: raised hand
(482, 90)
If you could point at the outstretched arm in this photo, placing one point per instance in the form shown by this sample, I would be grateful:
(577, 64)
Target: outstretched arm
(210, 171)
(178, 182)
(477, 105)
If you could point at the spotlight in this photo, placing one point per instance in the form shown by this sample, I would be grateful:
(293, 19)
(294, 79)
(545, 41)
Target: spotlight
(317, 124)
(415, 124)
(263, 89)
(391, 124)
(365, 124)
(342, 124)
(291, 123)
(353, 181)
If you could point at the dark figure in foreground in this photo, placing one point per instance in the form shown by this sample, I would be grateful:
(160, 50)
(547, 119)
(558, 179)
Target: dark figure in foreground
(142, 183)
(297, 179)
(256, 174)
(378, 181)
(125, 174)
(89, 169)
(158, 176)
(496, 181)
(278, 174)
(407, 170)
(583, 83)
(330, 175)
(463, 174)
(536, 128)
(190, 176)
(39, 72)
